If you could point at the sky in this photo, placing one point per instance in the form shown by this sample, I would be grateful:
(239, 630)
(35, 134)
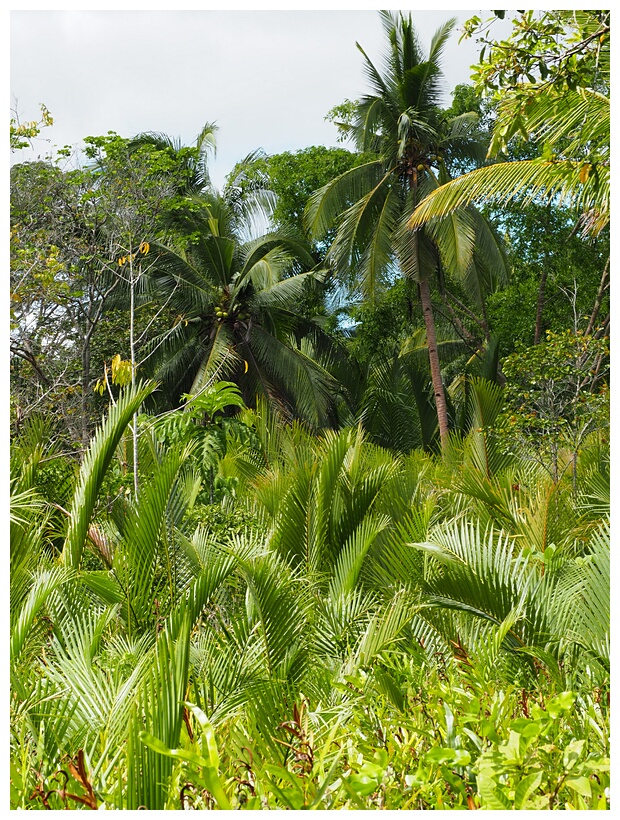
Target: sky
(266, 78)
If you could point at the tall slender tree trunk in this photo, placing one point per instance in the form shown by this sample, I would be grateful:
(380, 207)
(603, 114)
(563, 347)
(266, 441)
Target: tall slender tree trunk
(85, 390)
(433, 357)
(431, 336)
(92, 320)
(540, 302)
(132, 347)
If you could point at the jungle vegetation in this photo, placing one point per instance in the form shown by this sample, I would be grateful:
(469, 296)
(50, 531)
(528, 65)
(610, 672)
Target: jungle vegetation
(310, 475)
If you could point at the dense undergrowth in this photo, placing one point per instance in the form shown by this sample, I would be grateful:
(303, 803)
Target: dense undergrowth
(286, 620)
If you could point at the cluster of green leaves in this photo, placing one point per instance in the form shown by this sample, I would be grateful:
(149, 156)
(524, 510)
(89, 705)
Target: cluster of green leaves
(292, 177)
(447, 747)
(542, 244)
(75, 235)
(22, 133)
(551, 79)
(557, 394)
(567, 48)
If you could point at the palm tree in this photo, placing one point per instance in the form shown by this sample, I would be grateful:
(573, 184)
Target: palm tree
(237, 304)
(412, 140)
(193, 161)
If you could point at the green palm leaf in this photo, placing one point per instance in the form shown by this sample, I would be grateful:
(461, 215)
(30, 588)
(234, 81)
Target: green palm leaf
(349, 562)
(45, 583)
(144, 541)
(325, 206)
(158, 711)
(93, 469)
(560, 181)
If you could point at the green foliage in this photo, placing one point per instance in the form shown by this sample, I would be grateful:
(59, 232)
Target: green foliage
(383, 323)
(22, 133)
(78, 248)
(343, 116)
(294, 176)
(567, 48)
(557, 395)
(230, 605)
(542, 244)
(203, 422)
(552, 79)
(343, 637)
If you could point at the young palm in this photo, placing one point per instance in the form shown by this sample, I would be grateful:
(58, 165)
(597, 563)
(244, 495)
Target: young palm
(413, 142)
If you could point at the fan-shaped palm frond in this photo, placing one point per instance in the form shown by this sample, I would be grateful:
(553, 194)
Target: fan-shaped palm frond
(582, 599)
(481, 575)
(43, 585)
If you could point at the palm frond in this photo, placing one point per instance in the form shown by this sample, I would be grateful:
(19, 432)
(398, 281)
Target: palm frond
(349, 562)
(144, 540)
(582, 598)
(93, 469)
(326, 204)
(571, 121)
(524, 181)
(158, 711)
(364, 241)
(44, 584)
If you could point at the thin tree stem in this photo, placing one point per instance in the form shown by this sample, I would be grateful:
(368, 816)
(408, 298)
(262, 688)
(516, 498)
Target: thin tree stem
(132, 349)
(599, 298)
(433, 355)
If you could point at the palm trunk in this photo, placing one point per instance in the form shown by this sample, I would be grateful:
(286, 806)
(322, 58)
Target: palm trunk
(431, 336)
(433, 356)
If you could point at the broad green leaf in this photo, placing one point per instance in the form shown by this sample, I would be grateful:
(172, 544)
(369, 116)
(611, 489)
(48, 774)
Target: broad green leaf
(525, 788)
(580, 784)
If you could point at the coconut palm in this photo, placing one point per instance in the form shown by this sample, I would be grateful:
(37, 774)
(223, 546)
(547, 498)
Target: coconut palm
(237, 303)
(401, 122)
(192, 160)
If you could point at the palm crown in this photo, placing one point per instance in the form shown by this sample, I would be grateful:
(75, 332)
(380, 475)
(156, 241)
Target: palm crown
(237, 305)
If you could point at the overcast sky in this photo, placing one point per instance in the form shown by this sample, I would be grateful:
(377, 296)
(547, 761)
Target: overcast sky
(266, 78)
